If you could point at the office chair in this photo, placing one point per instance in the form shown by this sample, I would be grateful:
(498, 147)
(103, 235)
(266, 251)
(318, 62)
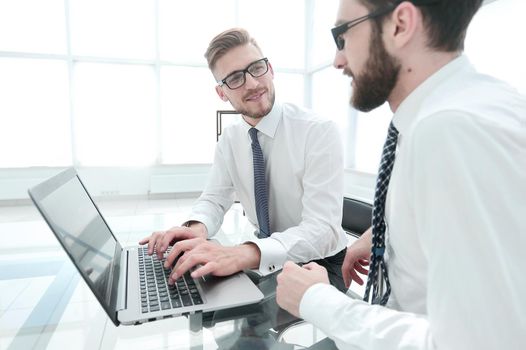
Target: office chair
(220, 114)
(356, 220)
(356, 217)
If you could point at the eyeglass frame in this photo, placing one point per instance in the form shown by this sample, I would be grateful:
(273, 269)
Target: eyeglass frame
(341, 29)
(245, 71)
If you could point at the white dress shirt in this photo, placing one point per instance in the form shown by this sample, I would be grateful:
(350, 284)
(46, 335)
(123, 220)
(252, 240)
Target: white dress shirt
(304, 171)
(456, 216)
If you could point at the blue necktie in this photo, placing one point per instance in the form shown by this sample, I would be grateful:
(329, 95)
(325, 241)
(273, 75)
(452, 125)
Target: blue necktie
(377, 262)
(260, 185)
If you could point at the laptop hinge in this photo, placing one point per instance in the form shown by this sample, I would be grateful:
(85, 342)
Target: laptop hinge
(122, 297)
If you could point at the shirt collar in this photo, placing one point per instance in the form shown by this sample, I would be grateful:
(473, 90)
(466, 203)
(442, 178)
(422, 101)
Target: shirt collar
(269, 123)
(408, 109)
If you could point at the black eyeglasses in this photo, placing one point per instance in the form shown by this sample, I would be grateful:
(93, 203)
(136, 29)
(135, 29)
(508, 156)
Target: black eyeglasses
(338, 31)
(237, 78)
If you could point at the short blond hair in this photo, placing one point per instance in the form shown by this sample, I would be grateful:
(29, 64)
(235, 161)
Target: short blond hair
(226, 41)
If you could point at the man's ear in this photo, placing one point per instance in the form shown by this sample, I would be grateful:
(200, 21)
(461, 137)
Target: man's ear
(403, 24)
(271, 69)
(221, 93)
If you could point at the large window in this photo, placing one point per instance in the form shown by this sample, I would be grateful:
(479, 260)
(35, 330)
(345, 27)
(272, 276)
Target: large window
(33, 26)
(35, 126)
(189, 103)
(495, 41)
(322, 20)
(330, 99)
(125, 83)
(186, 27)
(115, 114)
(279, 28)
(116, 28)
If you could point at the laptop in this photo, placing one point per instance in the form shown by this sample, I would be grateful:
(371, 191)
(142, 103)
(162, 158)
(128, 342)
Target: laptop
(129, 284)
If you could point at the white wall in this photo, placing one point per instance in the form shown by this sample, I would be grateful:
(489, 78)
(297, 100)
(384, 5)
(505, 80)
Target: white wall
(137, 181)
(110, 181)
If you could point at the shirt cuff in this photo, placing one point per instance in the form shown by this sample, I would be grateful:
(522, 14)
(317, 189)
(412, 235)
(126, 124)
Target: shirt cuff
(204, 220)
(321, 302)
(273, 255)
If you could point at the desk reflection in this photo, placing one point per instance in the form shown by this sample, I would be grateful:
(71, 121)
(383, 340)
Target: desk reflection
(259, 326)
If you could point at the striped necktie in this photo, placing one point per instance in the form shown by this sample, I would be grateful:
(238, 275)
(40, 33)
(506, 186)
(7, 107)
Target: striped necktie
(260, 186)
(377, 266)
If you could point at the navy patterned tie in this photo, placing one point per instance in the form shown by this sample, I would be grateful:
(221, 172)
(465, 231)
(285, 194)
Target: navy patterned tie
(377, 267)
(260, 186)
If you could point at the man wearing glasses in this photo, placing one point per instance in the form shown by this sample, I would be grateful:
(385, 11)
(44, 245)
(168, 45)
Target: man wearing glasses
(285, 165)
(446, 249)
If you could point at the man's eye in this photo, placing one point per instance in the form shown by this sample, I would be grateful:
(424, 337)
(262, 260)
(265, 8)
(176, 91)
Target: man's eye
(257, 69)
(235, 79)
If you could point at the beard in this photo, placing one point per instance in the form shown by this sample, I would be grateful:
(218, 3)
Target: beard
(375, 84)
(257, 113)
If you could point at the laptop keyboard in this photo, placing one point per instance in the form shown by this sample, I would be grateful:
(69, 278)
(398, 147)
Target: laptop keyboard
(156, 293)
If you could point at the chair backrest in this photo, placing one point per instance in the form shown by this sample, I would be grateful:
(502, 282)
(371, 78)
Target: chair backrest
(220, 116)
(356, 216)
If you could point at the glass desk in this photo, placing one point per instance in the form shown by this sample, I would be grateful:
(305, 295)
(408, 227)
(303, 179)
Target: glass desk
(59, 310)
(260, 326)
(45, 304)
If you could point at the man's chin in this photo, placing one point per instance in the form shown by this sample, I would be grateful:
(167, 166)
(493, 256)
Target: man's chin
(257, 113)
(365, 106)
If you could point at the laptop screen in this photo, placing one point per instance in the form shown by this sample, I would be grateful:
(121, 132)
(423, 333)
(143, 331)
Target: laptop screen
(76, 222)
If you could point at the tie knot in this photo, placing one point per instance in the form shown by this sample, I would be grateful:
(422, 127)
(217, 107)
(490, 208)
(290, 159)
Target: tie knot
(392, 133)
(253, 134)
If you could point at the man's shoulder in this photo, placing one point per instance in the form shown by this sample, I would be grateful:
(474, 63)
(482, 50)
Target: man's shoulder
(481, 111)
(479, 98)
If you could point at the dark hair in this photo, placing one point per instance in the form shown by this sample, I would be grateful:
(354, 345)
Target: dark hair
(446, 21)
(226, 41)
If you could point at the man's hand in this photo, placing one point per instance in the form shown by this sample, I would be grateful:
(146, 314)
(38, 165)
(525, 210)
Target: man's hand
(161, 240)
(214, 258)
(294, 281)
(356, 258)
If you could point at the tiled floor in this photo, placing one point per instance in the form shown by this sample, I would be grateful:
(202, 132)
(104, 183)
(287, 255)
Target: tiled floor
(42, 311)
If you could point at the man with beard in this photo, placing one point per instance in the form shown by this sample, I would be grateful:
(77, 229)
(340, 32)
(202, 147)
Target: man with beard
(285, 165)
(448, 226)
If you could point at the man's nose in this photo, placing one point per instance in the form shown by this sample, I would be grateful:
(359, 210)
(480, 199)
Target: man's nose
(339, 60)
(250, 81)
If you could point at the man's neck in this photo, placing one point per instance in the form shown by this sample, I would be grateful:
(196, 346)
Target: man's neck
(252, 121)
(415, 71)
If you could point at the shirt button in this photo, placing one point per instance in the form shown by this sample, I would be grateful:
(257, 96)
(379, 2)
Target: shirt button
(271, 268)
